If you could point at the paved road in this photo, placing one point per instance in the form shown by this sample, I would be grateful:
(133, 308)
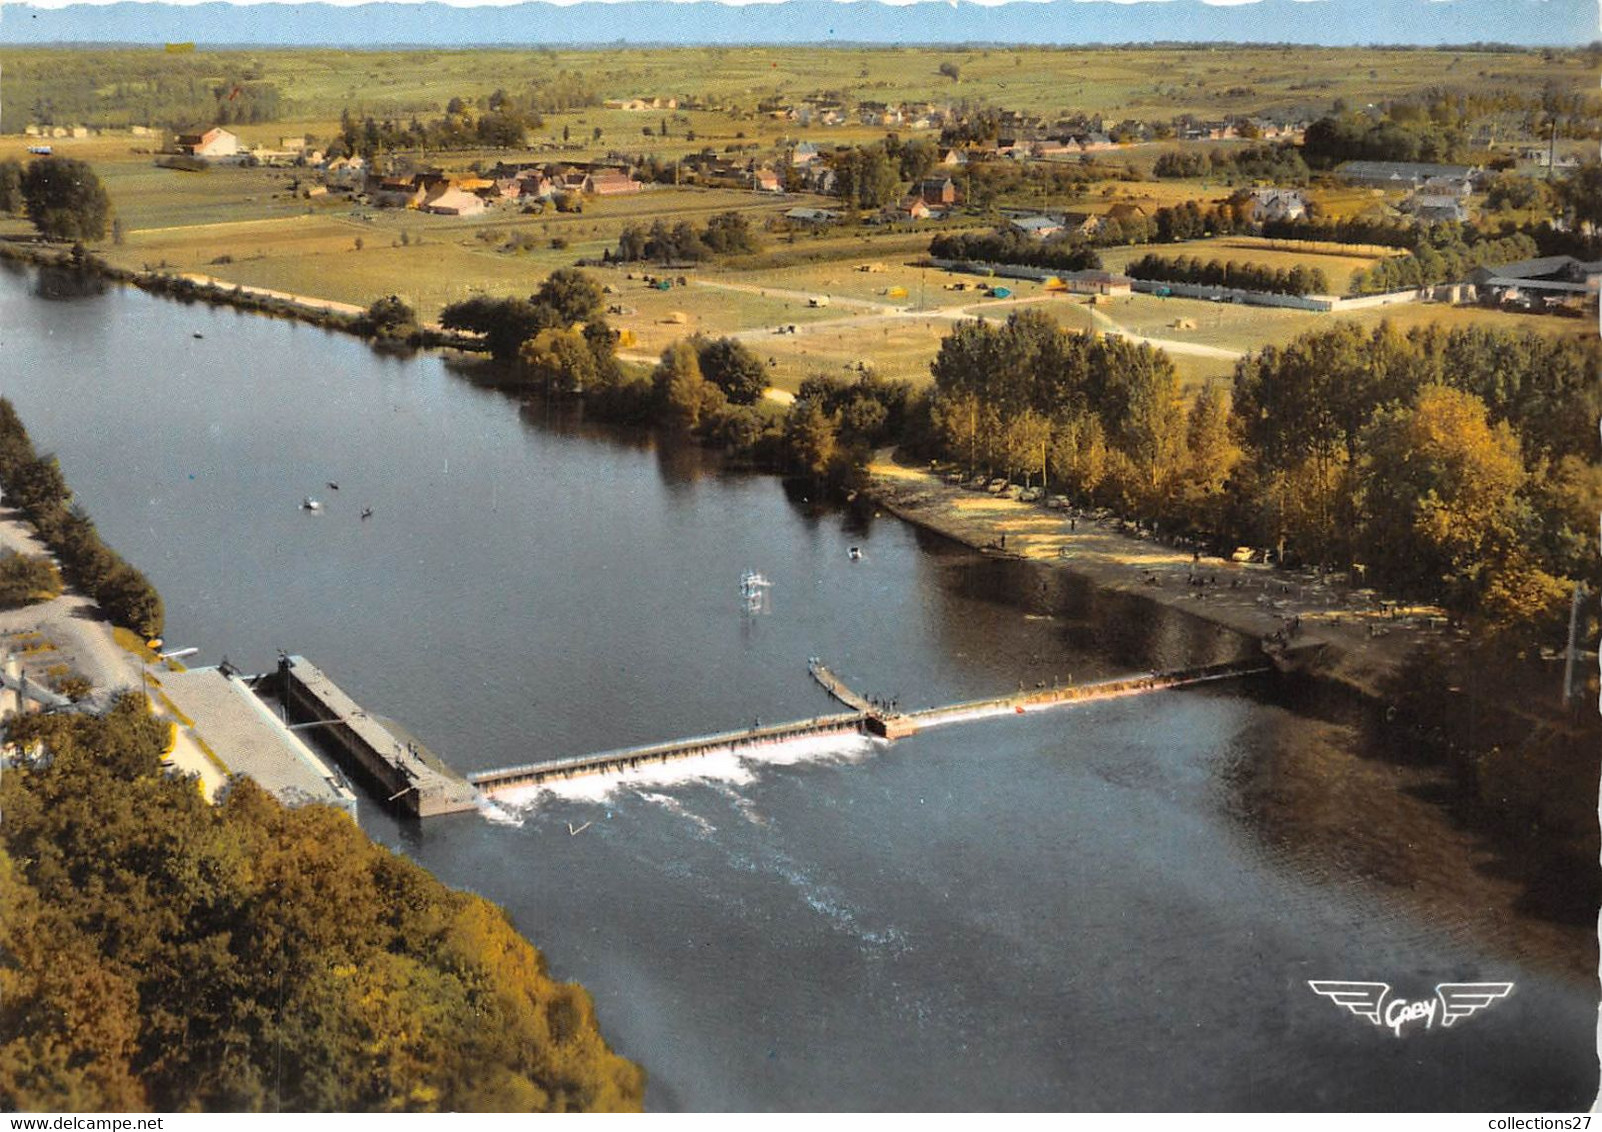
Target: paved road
(84, 642)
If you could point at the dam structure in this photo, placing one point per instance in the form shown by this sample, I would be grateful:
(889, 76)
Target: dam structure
(399, 772)
(864, 718)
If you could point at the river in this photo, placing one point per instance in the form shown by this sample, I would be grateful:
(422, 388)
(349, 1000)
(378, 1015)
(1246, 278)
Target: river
(1086, 908)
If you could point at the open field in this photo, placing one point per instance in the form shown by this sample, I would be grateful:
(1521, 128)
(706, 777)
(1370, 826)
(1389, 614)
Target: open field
(1246, 249)
(1144, 82)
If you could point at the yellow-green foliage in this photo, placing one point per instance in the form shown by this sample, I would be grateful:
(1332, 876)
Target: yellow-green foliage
(25, 579)
(167, 954)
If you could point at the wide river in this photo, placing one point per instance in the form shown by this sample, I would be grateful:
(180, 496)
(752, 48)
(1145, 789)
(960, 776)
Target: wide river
(1089, 908)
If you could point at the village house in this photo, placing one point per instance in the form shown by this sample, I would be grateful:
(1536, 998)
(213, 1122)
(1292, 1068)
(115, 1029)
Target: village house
(1124, 212)
(609, 183)
(1276, 204)
(1435, 207)
(212, 142)
(913, 208)
(1038, 227)
(766, 181)
(936, 191)
(1086, 224)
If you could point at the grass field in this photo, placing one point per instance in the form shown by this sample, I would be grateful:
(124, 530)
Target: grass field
(1143, 82)
(1247, 249)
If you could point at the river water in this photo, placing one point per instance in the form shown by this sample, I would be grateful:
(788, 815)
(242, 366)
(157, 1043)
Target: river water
(1076, 909)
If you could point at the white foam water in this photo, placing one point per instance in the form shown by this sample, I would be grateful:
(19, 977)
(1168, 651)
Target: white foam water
(728, 765)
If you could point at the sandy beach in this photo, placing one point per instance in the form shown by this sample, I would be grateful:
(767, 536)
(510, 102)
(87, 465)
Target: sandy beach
(1362, 644)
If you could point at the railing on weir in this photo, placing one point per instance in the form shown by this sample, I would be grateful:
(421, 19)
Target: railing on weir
(862, 720)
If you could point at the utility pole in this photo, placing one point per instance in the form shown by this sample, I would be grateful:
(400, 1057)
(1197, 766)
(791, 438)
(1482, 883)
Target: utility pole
(1573, 649)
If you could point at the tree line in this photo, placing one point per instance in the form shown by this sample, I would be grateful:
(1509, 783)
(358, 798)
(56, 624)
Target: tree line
(1447, 261)
(1298, 280)
(727, 233)
(1458, 467)
(1008, 245)
(1280, 164)
(134, 87)
(167, 954)
(35, 485)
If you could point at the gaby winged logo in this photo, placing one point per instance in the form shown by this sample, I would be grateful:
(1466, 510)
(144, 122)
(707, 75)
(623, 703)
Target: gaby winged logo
(1454, 1001)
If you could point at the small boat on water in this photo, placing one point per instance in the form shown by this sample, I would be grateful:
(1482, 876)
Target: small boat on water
(310, 504)
(367, 512)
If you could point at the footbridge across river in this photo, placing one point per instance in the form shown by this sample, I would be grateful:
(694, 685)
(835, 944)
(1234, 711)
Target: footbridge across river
(864, 718)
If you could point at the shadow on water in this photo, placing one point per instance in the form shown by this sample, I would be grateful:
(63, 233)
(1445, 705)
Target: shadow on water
(59, 284)
(1347, 786)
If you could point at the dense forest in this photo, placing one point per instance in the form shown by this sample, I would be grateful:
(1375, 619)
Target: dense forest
(166, 954)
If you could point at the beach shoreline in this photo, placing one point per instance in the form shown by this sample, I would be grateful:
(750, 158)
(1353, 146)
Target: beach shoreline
(1341, 634)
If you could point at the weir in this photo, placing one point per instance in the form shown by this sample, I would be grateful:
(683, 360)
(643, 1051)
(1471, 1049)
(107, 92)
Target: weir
(865, 718)
(397, 771)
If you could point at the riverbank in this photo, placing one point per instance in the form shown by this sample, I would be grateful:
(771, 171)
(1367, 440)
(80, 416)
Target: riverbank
(1348, 636)
(194, 287)
(1337, 812)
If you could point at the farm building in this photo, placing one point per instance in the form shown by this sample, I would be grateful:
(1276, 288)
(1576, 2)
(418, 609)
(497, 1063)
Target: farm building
(212, 142)
(1398, 174)
(804, 215)
(936, 190)
(454, 202)
(1552, 280)
(1096, 283)
(609, 182)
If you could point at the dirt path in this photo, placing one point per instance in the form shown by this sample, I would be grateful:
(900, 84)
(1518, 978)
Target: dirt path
(307, 301)
(1173, 346)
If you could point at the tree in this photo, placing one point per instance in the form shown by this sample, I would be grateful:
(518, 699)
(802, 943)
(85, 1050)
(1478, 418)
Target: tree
(560, 360)
(681, 392)
(65, 200)
(811, 437)
(732, 367)
(391, 317)
(1439, 498)
(570, 295)
(505, 323)
(1211, 455)
(11, 186)
(1581, 191)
